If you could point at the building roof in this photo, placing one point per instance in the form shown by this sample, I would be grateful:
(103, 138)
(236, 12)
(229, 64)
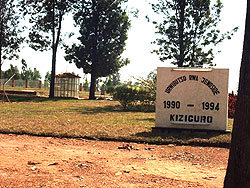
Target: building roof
(67, 75)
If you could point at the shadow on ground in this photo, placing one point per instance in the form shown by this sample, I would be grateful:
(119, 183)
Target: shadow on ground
(194, 138)
(111, 108)
(96, 110)
(24, 98)
(31, 98)
(152, 120)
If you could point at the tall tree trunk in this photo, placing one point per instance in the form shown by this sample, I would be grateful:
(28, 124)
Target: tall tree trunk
(53, 73)
(0, 60)
(182, 4)
(1, 40)
(55, 41)
(0, 68)
(1, 46)
(92, 85)
(53, 70)
(238, 170)
(94, 53)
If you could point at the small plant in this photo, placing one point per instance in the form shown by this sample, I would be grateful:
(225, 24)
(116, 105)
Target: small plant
(232, 100)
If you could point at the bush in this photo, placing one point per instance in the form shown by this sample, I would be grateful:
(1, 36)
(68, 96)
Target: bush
(145, 96)
(131, 96)
(147, 88)
(126, 95)
(110, 89)
(232, 100)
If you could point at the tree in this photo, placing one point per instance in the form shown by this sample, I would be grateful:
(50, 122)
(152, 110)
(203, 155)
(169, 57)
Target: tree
(25, 73)
(85, 84)
(36, 75)
(47, 77)
(10, 33)
(103, 31)
(11, 71)
(113, 80)
(149, 85)
(187, 31)
(238, 170)
(47, 17)
(28, 74)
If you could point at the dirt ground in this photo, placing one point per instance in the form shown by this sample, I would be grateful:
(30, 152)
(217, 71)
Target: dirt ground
(27, 161)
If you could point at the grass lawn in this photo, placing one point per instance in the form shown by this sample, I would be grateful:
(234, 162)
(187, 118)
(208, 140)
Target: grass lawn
(102, 119)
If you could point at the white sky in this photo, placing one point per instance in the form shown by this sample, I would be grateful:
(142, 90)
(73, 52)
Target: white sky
(138, 46)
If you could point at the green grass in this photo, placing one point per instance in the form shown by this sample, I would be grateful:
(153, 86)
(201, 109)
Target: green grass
(104, 120)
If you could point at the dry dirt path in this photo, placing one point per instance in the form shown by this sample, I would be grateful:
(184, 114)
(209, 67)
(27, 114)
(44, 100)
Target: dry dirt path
(27, 161)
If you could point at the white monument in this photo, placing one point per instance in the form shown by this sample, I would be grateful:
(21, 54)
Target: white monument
(192, 98)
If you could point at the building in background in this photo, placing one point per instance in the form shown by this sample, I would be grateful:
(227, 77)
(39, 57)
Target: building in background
(67, 85)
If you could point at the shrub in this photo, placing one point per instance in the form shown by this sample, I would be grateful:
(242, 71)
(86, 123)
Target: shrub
(232, 100)
(110, 89)
(145, 96)
(131, 96)
(126, 95)
(147, 88)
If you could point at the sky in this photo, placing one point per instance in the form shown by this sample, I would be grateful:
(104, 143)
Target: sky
(139, 47)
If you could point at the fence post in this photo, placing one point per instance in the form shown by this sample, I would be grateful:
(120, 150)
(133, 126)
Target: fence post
(13, 83)
(40, 84)
(26, 84)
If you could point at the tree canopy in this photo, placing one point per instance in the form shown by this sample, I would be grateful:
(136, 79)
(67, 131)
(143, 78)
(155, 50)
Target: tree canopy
(28, 74)
(11, 71)
(10, 31)
(46, 17)
(187, 31)
(113, 80)
(103, 27)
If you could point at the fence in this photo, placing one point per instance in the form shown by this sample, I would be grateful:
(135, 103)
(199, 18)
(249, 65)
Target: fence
(26, 83)
(32, 84)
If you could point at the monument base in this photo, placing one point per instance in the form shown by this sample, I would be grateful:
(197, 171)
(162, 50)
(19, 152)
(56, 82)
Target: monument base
(189, 131)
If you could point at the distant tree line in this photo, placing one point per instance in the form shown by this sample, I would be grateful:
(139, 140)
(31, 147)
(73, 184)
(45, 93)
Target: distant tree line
(25, 74)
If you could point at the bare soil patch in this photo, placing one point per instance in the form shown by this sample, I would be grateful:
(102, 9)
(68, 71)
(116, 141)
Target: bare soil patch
(28, 161)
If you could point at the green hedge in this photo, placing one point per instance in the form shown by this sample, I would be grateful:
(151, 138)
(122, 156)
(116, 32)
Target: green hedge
(129, 96)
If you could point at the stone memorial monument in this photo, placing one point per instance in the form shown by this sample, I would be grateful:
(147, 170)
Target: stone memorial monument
(192, 98)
